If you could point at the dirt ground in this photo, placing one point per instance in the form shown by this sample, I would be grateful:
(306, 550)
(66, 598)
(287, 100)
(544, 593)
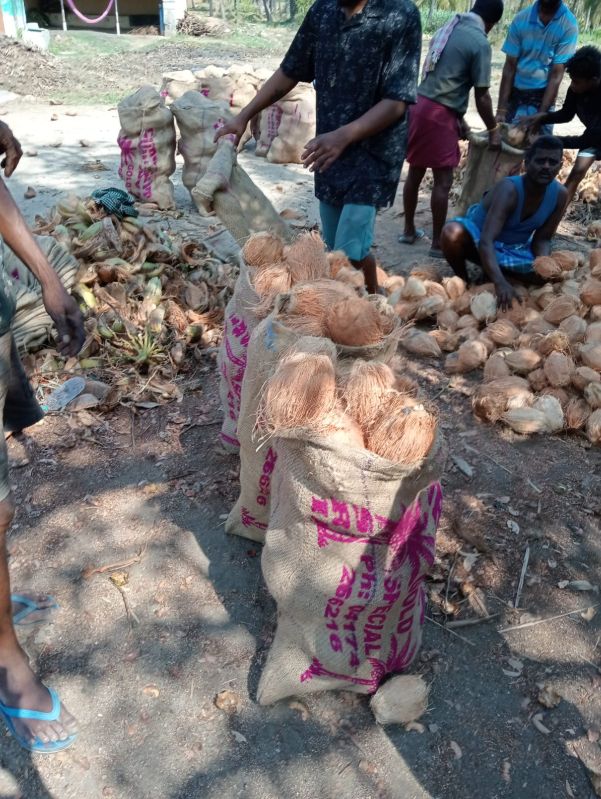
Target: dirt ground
(141, 666)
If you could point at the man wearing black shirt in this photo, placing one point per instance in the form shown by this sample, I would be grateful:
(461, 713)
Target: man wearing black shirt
(583, 99)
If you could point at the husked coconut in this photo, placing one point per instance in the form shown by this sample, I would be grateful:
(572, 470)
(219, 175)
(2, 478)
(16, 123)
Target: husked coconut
(467, 320)
(593, 333)
(574, 327)
(523, 361)
(548, 268)
(590, 293)
(567, 259)
(471, 355)
(429, 306)
(577, 412)
(558, 369)
(401, 699)
(555, 341)
(592, 394)
(447, 341)
(495, 367)
(418, 343)
(413, 289)
(447, 319)
(503, 332)
(484, 306)
(454, 286)
(560, 394)
(491, 400)
(593, 425)
(538, 379)
(583, 375)
(590, 355)
(560, 308)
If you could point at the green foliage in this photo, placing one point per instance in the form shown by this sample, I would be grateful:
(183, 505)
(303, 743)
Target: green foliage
(435, 19)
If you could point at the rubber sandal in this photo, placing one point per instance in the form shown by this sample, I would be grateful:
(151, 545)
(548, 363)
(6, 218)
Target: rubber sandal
(38, 746)
(58, 399)
(438, 254)
(405, 239)
(20, 616)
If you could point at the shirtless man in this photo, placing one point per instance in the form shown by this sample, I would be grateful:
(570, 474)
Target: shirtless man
(32, 712)
(513, 223)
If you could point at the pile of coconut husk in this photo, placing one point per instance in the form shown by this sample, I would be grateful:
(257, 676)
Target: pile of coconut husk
(194, 24)
(540, 360)
(152, 305)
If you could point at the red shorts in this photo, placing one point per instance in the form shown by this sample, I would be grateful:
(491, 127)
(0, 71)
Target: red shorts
(433, 135)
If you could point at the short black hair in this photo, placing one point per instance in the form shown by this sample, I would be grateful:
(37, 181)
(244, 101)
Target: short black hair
(544, 143)
(491, 11)
(585, 63)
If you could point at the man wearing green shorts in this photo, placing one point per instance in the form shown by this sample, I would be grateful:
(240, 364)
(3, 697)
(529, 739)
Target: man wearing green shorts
(363, 57)
(32, 712)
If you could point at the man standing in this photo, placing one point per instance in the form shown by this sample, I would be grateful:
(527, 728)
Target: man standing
(540, 41)
(584, 101)
(32, 712)
(513, 224)
(363, 56)
(459, 58)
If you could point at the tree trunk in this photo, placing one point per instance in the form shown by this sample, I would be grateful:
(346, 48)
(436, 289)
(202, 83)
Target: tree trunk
(293, 9)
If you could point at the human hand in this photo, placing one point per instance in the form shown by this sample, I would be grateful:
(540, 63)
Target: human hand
(10, 149)
(494, 139)
(506, 294)
(464, 129)
(235, 127)
(67, 318)
(321, 152)
(501, 116)
(530, 122)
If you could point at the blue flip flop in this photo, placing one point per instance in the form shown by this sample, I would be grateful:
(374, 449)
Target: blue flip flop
(37, 746)
(419, 234)
(30, 607)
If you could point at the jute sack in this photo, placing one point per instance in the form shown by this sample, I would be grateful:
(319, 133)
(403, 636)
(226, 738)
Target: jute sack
(176, 84)
(147, 142)
(270, 339)
(350, 540)
(296, 128)
(31, 325)
(216, 84)
(238, 325)
(198, 119)
(238, 202)
(267, 129)
(484, 168)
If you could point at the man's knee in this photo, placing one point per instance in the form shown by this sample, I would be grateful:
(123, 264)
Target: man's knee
(7, 513)
(453, 234)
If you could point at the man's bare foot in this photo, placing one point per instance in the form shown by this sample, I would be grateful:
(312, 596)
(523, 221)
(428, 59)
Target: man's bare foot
(21, 688)
(44, 603)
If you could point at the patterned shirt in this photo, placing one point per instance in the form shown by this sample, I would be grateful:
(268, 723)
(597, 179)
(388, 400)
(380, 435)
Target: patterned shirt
(7, 296)
(355, 63)
(539, 47)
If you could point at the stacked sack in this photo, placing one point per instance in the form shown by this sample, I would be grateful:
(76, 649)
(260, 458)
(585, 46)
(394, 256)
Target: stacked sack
(339, 473)
(540, 360)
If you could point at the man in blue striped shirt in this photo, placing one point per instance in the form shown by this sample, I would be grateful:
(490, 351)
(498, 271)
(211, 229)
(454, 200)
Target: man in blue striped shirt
(540, 41)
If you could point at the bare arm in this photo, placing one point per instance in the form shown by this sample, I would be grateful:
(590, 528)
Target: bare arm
(541, 243)
(484, 107)
(61, 307)
(555, 78)
(321, 152)
(507, 79)
(503, 201)
(278, 85)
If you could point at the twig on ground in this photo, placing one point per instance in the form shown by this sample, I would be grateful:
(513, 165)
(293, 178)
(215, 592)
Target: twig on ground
(522, 576)
(549, 618)
(128, 610)
(90, 571)
(479, 452)
(470, 622)
(451, 632)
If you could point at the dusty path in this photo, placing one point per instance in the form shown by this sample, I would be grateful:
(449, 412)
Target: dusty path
(141, 666)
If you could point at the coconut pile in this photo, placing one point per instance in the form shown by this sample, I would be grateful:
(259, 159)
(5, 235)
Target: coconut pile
(349, 400)
(540, 360)
(150, 303)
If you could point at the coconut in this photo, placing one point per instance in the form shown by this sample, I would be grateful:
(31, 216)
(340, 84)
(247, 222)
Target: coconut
(429, 306)
(567, 259)
(342, 431)
(426, 272)
(418, 343)
(467, 320)
(558, 369)
(560, 308)
(394, 283)
(583, 375)
(572, 289)
(595, 313)
(381, 276)
(462, 304)
(523, 361)
(454, 286)
(491, 400)
(551, 407)
(447, 319)
(487, 341)
(516, 314)
(547, 268)
(406, 385)
(363, 389)
(447, 341)
(593, 231)
(351, 276)
(414, 289)
(556, 341)
(471, 355)
(592, 394)
(468, 334)
(543, 296)
(538, 379)
(576, 413)
(590, 355)
(515, 136)
(593, 333)
(356, 322)
(405, 310)
(402, 431)
(593, 425)
(337, 261)
(484, 306)
(526, 420)
(306, 308)
(306, 258)
(435, 290)
(263, 249)
(560, 394)
(590, 293)
(503, 332)
(495, 367)
(574, 327)
(268, 282)
(537, 326)
(595, 263)
(400, 700)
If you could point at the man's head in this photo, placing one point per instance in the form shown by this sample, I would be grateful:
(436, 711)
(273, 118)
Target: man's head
(491, 12)
(543, 159)
(584, 68)
(549, 7)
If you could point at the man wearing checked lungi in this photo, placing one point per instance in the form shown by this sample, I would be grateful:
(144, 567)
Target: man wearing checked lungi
(458, 59)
